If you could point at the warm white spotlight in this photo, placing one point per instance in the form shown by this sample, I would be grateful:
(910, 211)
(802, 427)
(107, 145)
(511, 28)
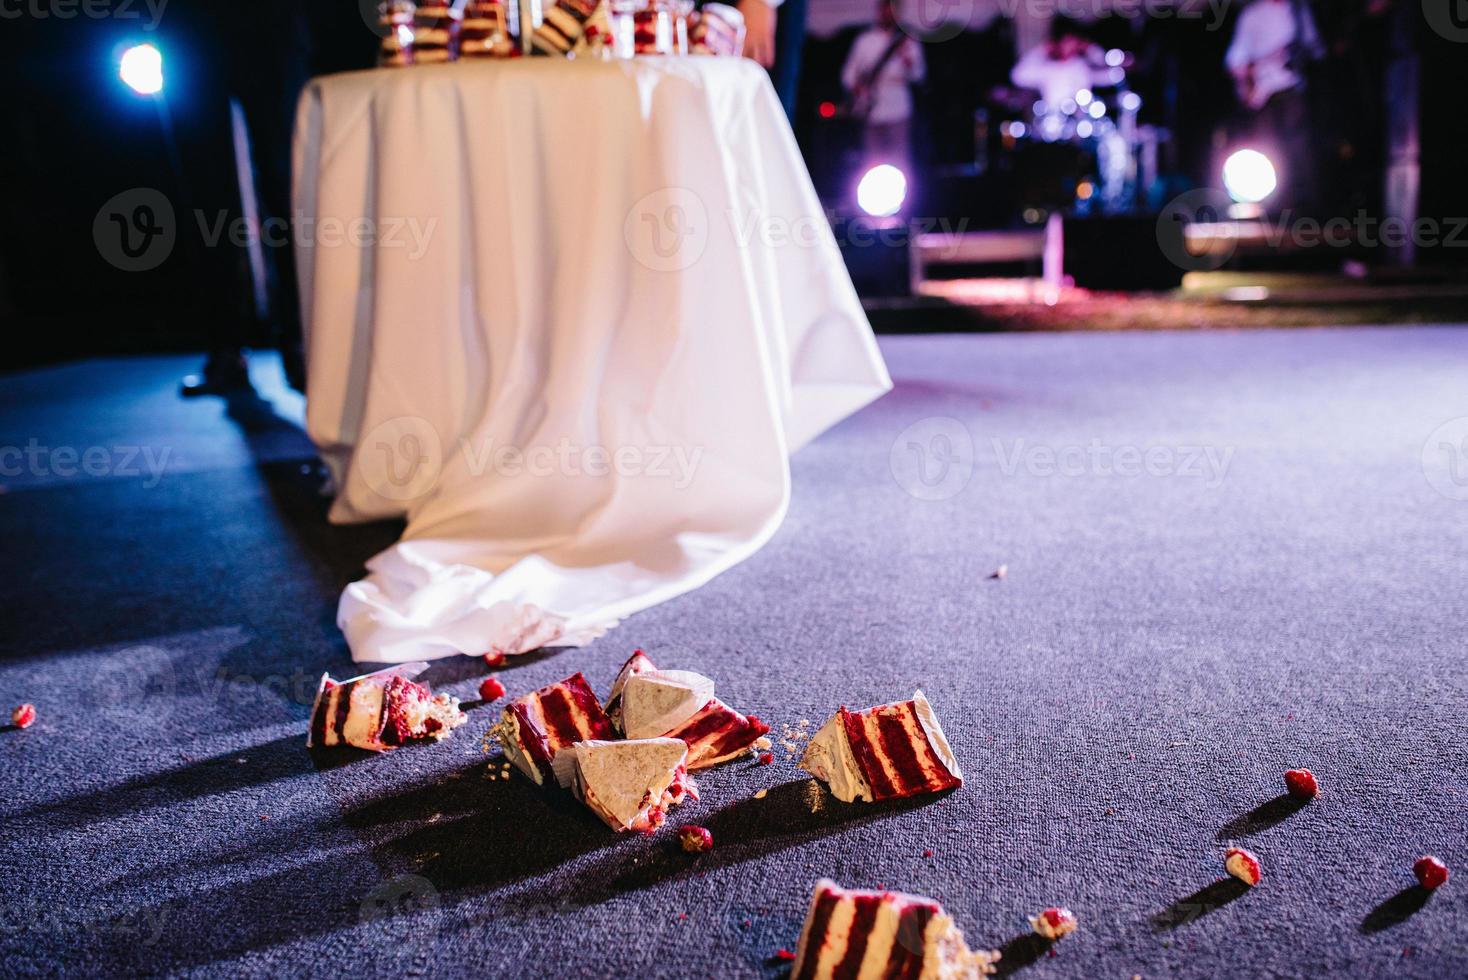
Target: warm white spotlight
(882, 190)
(142, 69)
(1249, 177)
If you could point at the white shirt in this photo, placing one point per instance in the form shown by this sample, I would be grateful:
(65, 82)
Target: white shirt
(1262, 38)
(890, 93)
(1056, 81)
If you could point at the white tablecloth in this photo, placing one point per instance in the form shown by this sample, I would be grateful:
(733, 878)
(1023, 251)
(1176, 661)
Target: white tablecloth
(570, 318)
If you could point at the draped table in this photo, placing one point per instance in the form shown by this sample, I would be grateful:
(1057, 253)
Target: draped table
(570, 319)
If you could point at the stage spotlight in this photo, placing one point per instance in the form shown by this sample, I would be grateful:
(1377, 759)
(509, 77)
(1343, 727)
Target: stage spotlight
(1249, 177)
(141, 69)
(882, 190)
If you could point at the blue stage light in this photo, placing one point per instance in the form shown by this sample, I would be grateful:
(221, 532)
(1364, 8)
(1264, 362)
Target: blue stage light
(141, 69)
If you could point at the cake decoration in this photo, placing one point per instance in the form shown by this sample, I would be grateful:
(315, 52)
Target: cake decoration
(380, 711)
(1430, 872)
(695, 840)
(850, 934)
(1054, 923)
(883, 753)
(535, 727)
(631, 784)
(491, 689)
(1301, 784)
(1243, 865)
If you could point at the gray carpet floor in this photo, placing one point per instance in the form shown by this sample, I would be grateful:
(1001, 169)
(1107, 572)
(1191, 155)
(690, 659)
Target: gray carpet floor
(1228, 554)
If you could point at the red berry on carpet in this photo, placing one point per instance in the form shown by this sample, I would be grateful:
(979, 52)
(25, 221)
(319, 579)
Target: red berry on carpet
(1243, 865)
(490, 689)
(1301, 784)
(695, 840)
(495, 659)
(766, 758)
(23, 716)
(1430, 871)
(784, 954)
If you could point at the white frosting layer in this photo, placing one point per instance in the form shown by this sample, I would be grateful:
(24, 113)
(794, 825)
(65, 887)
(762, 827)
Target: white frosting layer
(655, 703)
(929, 720)
(828, 758)
(621, 781)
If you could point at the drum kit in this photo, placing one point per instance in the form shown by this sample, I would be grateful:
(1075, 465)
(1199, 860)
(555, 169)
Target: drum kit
(1113, 157)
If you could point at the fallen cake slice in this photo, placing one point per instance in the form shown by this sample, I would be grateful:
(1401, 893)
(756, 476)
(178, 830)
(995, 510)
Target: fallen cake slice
(380, 711)
(535, 727)
(718, 733)
(852, 934)
(649, 703)
(636, 664)
(883, 753)
(631, 784)
(656, 702)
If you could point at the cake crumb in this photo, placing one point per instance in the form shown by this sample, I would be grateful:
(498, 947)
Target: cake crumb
(761, 794)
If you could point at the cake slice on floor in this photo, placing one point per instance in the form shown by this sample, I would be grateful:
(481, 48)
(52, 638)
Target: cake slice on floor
(638, 663)
(718, 733)
(631, 784)
(649, 703)
(535, 727)
(380, 711)
(658, 701)
(883, 753)
(854, 934)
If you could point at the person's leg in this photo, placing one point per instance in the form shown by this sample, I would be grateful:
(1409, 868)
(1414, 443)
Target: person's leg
(208, 208)
(789, 44)
(267, 89)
